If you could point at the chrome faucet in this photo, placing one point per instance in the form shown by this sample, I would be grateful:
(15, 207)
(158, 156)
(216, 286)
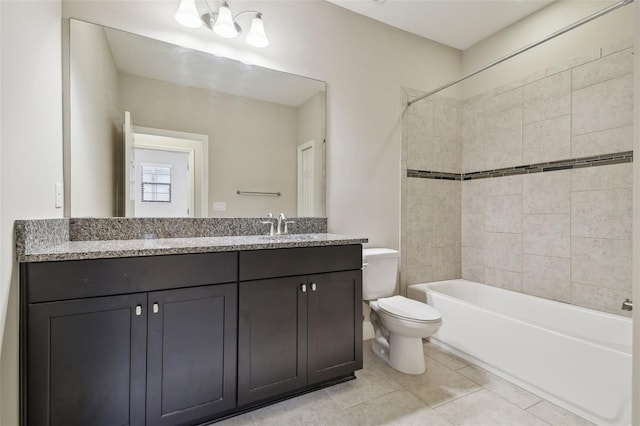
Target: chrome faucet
(627, 305)
(283, 219)
(270, 221)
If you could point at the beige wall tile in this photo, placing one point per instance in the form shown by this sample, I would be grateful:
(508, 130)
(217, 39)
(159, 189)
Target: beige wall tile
(601, 214)
(614, 176)
(547, 98)
(473, 119)
(473, 272)
(447, 121)
(503, 214)
(419, 133)
(503, 251)
(473, 157)
(591, 56)
(548, 192)
(503, 139)
(601, 262)
(508, 100)
(547, 140)
(606, 68)
(472, 255)
(603, 142)
(548, 277)
(447, 155)
(618, 46)
(606, 105)
(600, 298)
(473, 194)
(547, 235)
(446, 263)
(473, 230)
(504, 279)
(509, 185)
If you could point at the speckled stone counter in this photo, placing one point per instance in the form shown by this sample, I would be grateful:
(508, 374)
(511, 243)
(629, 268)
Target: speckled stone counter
(76, 239)
(78, 250)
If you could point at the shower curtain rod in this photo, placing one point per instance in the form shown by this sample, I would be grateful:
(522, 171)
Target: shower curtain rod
(576, 24)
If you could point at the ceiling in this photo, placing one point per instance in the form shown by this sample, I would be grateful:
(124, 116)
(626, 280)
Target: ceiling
(456, 23)
(155, 59)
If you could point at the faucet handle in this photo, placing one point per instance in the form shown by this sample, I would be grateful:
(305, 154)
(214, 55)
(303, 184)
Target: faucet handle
(286, 227)
(269, 222)
(269, 215)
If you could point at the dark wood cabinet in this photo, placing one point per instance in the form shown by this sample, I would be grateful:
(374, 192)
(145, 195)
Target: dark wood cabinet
(86, 362)
(191, 354)
(297, 331)
(156, 357)
(335, 325)
(185, 339)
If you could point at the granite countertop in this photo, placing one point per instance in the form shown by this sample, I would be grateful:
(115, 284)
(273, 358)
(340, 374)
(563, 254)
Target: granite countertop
(78, 250)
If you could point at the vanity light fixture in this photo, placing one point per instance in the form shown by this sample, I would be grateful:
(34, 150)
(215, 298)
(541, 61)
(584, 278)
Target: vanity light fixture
(222, 22)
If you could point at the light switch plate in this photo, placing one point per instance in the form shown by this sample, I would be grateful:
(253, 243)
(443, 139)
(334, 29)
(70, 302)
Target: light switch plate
(219, 206)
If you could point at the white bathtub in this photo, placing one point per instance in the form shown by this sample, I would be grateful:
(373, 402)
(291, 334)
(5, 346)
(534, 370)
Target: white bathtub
(577, 358)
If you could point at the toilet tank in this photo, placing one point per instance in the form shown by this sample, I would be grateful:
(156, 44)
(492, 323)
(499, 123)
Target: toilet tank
(379, 272)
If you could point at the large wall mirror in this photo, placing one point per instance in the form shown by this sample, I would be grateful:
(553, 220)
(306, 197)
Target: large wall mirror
(159, 130)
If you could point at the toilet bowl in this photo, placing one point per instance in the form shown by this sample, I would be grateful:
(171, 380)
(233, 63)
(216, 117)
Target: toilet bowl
(399, 323)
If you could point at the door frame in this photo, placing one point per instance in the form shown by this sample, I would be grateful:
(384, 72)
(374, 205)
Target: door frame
(301, 148)
(198, 144)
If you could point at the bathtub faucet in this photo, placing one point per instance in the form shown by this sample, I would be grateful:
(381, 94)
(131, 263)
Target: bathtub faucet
(627, 305)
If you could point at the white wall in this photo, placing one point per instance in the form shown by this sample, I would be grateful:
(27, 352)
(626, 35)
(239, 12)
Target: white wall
(31, 137)
(95, 131)
(311, 126)
(252, 144)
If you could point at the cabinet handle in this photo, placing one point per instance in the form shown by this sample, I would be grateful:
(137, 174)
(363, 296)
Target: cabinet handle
(313, 286)
(303, 287)
(155, 308)
(138, 310)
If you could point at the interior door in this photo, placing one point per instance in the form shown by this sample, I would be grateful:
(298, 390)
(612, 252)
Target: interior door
(163, 183)
(306, 179)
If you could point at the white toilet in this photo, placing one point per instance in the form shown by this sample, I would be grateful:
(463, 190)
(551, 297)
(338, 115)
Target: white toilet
(399, 323)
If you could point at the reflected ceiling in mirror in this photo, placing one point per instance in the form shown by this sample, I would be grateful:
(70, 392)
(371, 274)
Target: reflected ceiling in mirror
(239, 140)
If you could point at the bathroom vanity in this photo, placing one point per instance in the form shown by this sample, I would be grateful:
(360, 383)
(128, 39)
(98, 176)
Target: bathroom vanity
(185, 331)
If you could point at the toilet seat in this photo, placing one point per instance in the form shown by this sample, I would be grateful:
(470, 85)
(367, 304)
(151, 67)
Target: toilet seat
(409, 310)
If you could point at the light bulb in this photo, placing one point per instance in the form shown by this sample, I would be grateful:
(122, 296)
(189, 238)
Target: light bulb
(257, 36)
(187, 14)
(224, 25)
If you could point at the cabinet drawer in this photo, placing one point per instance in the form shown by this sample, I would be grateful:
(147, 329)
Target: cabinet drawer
(259, 264)
(50, 281)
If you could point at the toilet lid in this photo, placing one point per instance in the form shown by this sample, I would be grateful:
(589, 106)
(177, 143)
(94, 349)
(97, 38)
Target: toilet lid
(409, 309)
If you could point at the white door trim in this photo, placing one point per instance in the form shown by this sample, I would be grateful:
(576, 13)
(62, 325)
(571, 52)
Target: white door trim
(199, 161)
(301, 148)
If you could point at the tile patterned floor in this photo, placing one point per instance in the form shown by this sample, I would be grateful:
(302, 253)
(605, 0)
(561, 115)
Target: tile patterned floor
(451, 392)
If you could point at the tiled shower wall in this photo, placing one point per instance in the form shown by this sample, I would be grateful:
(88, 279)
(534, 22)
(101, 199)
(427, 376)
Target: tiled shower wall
(430, 235)
(562, 234)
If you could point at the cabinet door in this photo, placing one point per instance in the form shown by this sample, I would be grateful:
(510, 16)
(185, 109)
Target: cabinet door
(191, 361)
(272, 345)
(335, 325)
(86, 362)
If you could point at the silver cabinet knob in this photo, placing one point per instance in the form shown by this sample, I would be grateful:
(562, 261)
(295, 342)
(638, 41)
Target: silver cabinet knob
(313, 286)
(156, 308)
(138, 310)
(303, 287)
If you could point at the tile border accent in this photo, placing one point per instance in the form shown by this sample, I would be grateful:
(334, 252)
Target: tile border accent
(551, 166)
